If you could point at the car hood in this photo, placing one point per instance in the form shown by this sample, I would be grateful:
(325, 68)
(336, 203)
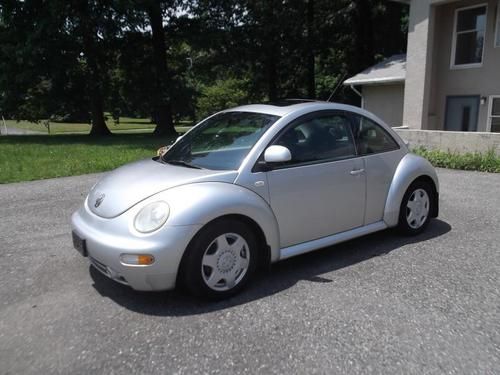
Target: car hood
(124, 187)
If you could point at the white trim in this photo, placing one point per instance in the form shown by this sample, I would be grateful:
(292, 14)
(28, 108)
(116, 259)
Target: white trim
(497, 27)
(490, 109)
(454, 39)
(368, 81)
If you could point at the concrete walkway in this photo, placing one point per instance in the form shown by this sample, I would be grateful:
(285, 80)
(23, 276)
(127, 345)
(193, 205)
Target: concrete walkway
(17, 131)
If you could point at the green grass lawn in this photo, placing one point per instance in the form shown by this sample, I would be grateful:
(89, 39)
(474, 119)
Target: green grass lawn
(34, 157)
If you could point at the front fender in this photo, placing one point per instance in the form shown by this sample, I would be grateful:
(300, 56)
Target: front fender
(200, 203)
(409, 169)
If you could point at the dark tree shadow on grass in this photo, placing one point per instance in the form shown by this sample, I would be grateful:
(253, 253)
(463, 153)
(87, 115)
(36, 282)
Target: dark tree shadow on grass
(282, 275)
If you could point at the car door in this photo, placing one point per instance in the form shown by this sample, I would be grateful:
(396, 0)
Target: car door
(321, 191)
(381, 154)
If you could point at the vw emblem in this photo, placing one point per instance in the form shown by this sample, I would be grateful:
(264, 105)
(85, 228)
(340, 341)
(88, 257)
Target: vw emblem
(99, 200)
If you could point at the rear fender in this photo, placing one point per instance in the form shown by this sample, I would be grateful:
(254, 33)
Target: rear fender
(409, 169)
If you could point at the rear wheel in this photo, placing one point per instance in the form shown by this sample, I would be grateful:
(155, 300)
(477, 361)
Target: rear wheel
(220, 260)
(416, 208)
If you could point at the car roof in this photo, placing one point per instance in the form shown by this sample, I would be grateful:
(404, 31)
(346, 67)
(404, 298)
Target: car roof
(284, 107)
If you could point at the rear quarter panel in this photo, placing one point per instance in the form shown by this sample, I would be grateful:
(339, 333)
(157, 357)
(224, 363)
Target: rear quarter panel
(409, 169)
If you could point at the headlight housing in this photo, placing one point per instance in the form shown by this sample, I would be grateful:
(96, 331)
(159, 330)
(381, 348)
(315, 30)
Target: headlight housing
(151, 217)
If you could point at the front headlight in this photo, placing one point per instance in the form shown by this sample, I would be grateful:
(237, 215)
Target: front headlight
(151, 217)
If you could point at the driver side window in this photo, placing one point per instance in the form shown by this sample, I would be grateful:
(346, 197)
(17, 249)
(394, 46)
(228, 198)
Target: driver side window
(319, 139)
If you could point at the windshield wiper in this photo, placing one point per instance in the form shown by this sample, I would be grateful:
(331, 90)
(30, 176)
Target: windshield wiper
(183, 163)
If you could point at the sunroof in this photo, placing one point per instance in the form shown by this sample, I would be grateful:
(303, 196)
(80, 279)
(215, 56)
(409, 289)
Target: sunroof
(287, 102)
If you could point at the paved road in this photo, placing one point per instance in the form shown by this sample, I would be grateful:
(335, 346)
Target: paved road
(381, 304)
(17, 131)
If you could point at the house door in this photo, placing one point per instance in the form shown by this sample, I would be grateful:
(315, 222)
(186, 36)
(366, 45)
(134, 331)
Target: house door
(461, 113)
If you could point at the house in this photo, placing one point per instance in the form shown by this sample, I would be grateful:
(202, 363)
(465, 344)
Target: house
(448, 84)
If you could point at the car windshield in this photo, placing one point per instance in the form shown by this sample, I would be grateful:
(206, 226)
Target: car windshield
(220, 142)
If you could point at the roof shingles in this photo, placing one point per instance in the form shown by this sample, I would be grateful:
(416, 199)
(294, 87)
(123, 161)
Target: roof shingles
(391, 70)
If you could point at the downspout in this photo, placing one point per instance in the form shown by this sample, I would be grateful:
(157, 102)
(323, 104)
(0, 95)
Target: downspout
(359, 94)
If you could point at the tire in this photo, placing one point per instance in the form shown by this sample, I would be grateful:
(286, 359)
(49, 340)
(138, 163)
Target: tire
(416, 208)
(220, 260)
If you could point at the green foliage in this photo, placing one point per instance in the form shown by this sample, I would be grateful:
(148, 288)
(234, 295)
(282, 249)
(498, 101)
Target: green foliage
(73, 60)
(222, 94)
(484, 162)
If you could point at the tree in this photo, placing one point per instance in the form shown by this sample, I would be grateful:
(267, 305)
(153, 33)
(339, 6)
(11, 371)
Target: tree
(161, 101)
(311, 74)
(78, 58)
(59, 51)
(86, 19)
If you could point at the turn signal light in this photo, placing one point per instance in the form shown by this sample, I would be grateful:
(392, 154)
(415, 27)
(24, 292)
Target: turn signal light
(137, 259)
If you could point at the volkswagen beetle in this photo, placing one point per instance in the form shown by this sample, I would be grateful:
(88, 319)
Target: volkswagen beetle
(250, 186)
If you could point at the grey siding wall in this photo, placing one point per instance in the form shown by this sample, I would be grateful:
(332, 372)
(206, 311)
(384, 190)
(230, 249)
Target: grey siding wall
(483, 81)
(386, 102)
(419, 63)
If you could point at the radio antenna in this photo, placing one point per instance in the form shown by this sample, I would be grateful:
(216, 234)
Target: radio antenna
(336, 87)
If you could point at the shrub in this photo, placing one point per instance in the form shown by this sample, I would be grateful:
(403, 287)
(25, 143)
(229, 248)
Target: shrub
(223, 94)
(484, 162)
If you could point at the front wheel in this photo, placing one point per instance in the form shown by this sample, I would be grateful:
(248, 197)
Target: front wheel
(416, 207)
(220, 260)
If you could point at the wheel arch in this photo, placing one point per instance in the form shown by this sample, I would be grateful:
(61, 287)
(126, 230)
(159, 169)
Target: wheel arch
(204, 203)
(410, 169)
(264, 257)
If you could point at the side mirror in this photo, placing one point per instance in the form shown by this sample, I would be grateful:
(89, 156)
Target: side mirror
(163, 150)
(277, 154)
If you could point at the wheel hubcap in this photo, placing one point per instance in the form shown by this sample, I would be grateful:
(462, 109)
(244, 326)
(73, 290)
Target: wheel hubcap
(225, 262)
(417, 208)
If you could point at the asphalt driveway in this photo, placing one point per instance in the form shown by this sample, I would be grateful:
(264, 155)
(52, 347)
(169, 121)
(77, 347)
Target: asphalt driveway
(380, 304)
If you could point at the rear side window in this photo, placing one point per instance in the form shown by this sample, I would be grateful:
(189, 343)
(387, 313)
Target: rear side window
(370, 137)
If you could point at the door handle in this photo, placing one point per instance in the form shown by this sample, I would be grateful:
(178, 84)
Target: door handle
(355, 172)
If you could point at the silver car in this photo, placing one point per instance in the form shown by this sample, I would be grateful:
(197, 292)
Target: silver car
(251, 186)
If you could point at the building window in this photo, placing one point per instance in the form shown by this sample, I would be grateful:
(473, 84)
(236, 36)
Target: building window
(497, 28)
(468, 37)
(494, 114)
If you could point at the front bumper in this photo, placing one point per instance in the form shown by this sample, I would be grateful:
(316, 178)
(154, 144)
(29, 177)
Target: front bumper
(107, 239)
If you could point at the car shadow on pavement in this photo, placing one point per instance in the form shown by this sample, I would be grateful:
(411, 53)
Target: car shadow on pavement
(281, 276)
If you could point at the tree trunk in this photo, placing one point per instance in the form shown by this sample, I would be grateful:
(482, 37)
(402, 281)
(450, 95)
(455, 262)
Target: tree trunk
(271, 48)
(311, 81)
(272, 90)
(161, 102)
(99, 127)
(364, 36)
